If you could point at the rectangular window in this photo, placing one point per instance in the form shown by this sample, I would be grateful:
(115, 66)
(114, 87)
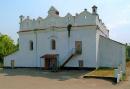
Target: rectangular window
(31, 45)
(53, 44)
(78, 47)
(81, 63)
(12, 63)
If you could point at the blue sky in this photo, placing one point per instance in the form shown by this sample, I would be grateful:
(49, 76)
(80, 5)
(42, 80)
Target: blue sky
(114, 13)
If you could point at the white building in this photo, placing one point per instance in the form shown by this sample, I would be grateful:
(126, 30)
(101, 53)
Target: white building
(71, 41)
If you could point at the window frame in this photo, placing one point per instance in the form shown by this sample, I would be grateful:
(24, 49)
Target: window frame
(78, 47)
(81, 63)
(31, 45)
(53, 44)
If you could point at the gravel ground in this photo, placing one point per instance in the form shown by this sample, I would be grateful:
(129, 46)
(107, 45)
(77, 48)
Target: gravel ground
(38, 79)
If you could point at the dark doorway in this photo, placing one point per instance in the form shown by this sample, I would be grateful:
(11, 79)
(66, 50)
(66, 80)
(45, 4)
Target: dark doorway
(47, 64)
(50, 61)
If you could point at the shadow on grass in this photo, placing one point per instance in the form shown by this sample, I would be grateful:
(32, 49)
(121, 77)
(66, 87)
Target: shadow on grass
(110, 79)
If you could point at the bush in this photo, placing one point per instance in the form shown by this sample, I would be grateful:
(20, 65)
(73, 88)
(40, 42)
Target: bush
(127, 59)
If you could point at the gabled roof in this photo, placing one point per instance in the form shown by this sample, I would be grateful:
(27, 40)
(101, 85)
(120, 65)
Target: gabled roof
(111, 40)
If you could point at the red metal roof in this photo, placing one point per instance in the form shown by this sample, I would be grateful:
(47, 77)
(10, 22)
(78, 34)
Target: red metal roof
(49, 56)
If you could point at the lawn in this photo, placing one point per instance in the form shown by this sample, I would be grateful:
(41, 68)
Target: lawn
(101, 72)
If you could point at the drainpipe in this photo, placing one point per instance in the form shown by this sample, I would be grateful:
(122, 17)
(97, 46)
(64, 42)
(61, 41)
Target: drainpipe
(97, 49)
(35, 32)
(69, 30)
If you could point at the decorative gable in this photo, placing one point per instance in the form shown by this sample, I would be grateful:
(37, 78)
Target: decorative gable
(53, 12)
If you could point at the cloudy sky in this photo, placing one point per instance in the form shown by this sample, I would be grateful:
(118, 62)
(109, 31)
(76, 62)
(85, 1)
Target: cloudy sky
(114, 13)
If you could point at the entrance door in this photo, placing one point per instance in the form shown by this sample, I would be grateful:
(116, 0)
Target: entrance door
(47, 64)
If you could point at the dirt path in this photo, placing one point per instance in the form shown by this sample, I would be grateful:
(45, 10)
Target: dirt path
(35, 79)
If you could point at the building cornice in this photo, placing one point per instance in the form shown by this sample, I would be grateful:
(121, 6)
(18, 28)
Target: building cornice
(57, 27)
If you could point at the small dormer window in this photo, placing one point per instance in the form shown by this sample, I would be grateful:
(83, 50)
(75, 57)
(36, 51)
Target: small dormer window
(31, 45)
(53, 12)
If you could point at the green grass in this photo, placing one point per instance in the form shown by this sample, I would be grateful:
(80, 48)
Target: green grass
(123, 77)
(102, 72)
(1, 65)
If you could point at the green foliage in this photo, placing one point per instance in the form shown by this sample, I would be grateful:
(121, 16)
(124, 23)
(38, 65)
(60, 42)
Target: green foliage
(7, 46)
(127, 53)
(123, 77)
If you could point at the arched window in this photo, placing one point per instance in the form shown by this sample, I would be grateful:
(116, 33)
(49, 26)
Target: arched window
(31, 45)
(69, 28)
(53, 44)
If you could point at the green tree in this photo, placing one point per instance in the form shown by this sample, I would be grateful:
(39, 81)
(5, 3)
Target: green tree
(7, 46)
(127, 52)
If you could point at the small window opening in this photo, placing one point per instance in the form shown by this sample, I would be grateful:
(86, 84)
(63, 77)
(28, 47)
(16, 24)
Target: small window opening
(31, 45)
(94, 10)
(85, 17)
(53, 44)
(81, 63)
(57, 12)
(69, 28)
(12, 64)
